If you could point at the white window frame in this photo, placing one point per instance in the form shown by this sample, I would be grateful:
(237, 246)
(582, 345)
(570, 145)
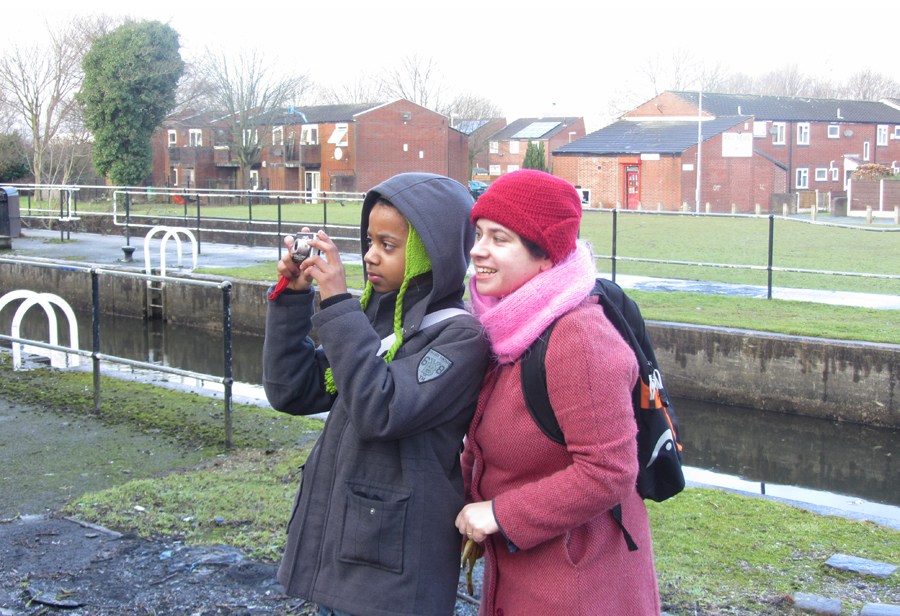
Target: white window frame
(881, 134)
(779, 131)
(759, 128)
(248, 135)
(493, 170)
(494, 148)
(278, 135)
(254, 179)
(835, 174)
(803, 133)
(821, 174)
(309, 134)
(196, 137)
(513, 147)
(174, 176)
(511, 168)
(834, 131)
(802, 178)
(867, 150)
(339, 135)
(897, 132)
(173, 137)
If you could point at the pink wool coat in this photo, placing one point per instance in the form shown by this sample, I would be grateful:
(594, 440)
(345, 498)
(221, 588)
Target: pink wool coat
(559, 550)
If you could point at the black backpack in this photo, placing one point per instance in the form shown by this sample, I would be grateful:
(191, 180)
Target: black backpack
(659, 445)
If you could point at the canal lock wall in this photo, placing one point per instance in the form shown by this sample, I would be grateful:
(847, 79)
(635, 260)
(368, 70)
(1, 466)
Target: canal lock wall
(829, 379)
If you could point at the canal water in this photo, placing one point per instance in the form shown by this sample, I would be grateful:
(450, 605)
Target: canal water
(829, 464)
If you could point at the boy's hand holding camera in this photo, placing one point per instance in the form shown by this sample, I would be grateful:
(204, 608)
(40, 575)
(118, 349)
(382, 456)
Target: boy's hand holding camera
(313, 257)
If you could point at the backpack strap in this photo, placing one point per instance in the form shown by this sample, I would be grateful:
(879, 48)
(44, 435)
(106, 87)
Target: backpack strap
(534, 381)
(534, 387)
(432, 318)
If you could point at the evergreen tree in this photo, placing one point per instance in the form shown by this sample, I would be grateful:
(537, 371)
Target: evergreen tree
(130, 77)
(535, 157)
(13, 161)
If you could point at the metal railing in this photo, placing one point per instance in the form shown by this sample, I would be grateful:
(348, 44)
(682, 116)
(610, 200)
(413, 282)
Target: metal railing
(769, 268)
(227, 380)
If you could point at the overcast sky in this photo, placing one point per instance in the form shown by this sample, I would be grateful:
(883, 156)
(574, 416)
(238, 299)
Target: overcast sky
(560, 57)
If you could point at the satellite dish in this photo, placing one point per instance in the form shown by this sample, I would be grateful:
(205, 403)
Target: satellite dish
(848, 133)
(338, 153)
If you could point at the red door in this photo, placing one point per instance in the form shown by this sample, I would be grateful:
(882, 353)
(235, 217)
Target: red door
(632, 188)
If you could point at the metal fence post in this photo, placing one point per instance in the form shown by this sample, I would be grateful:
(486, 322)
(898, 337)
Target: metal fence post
(771, 251)
(280, 235)
(615, 214)
(228, 361)
(95, 336)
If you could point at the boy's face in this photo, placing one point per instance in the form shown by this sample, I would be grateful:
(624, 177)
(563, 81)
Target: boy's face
(386, 257)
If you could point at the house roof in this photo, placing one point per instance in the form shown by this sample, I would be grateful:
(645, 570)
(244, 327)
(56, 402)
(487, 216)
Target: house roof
(316, 114)
(467, 127)
(533, 128)
(791, 108)
(648, 137)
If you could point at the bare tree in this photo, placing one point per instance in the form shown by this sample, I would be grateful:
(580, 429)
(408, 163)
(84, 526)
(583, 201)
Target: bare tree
(867, 85)
(250, 95)
(358, 92)
(786, 81)
(417, 79)
(39, 82)
(475, 111)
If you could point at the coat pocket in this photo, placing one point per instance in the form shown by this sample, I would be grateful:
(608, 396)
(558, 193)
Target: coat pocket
(374, 526)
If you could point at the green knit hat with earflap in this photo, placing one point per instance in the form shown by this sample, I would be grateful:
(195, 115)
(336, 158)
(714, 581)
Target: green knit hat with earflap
(417, 263)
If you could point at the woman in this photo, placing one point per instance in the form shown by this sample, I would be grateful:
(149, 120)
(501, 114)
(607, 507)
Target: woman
(541, 509)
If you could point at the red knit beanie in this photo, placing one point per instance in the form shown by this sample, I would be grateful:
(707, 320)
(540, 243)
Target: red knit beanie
(535, 205)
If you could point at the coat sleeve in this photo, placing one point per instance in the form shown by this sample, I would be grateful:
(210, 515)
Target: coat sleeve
(590, 375)
(293, 368)
(415, 392)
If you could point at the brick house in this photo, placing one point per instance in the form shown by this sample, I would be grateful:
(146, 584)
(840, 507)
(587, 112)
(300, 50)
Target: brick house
(507, 147)
(752, 150)
(344, 148)
(479, 132)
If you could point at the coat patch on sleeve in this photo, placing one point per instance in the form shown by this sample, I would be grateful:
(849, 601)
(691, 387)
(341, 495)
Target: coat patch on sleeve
(432, 366)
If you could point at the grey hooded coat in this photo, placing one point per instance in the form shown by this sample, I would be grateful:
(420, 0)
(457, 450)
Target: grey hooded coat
(372, 530)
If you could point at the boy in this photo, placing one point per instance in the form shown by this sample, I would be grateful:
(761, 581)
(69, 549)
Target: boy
(372, 529)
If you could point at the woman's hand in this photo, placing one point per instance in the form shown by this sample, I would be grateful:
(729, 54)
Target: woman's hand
(476, 521)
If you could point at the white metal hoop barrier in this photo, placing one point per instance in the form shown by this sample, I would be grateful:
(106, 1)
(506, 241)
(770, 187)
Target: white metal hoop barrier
(168, 232)
(58, 359)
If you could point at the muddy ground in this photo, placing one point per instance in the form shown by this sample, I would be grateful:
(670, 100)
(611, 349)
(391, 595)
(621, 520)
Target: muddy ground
(51, 564)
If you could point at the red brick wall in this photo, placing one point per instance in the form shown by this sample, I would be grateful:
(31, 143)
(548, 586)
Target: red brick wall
(666, 104)
(601, 175)
(386, 144)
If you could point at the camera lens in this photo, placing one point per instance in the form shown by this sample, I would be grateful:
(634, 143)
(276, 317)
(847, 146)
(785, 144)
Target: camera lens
(302, 250)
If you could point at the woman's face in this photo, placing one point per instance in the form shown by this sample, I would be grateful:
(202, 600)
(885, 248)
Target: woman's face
(502, 262)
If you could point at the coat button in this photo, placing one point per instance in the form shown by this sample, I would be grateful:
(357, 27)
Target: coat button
(372, 511)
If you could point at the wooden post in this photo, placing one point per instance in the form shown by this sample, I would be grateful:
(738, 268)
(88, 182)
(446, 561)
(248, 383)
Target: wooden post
(869, 214)
(758, 209)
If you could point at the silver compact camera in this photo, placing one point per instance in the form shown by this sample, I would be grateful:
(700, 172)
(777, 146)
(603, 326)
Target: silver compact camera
(301, 248)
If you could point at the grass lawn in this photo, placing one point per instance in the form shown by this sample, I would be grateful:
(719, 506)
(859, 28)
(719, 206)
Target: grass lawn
(721, 242)
(716, 552)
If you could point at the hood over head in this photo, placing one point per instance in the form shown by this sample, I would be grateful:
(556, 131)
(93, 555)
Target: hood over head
(439, 209)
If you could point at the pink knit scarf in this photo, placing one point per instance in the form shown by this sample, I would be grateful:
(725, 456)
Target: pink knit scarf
(515, 321)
